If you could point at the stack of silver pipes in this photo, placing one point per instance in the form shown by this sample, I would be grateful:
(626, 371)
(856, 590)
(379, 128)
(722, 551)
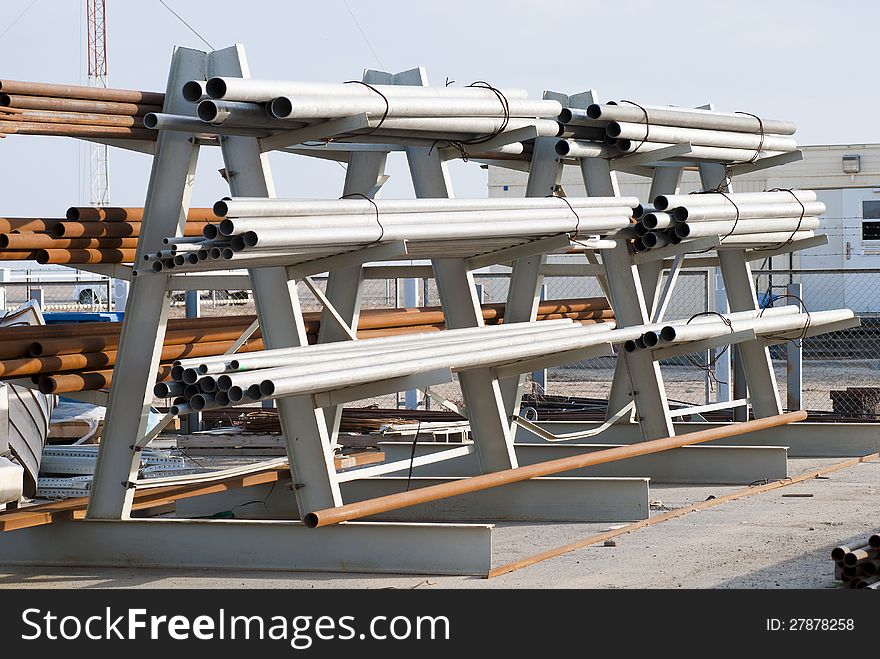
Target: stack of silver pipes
(739, 219)
(858, 566)
(787, 322)
(230, 380)
(714, 136)
(469, 116)
(262, 232)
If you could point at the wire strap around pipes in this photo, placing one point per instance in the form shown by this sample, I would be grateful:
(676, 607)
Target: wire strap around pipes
(647, 127)
(710, 364)
(384, 98)
(375, 207)
(796, 229)
(761, 141)
(459, 145)
(787, 296)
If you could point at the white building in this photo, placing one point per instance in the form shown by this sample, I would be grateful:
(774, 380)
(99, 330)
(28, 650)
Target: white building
(847, 178)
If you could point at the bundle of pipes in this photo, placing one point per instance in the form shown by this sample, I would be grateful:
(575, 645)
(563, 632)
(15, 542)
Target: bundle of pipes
(858, 566)
(63, 358)
(738, 219)
(465, 116)
(229, 380)
(86, 235)
(36, 108)
(257, 232)
(714, 136)
(774, 321)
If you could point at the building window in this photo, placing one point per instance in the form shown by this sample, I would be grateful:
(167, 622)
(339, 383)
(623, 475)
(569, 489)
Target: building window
(871, 220)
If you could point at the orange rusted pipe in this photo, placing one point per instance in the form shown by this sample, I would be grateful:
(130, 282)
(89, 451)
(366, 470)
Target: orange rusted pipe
(122, 213)
(87, 380)
(81, 92)
(17, 255)
(75, 130)
(66, 229)
(18, 101)
(487, 481)
(32, 241)
(84, 255)
(10, 368)
(9, 224)
(76, 118)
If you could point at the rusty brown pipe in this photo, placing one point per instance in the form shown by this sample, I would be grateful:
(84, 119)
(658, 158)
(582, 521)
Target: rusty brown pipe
(838, 553)
(17, 255)
(10, 224)
(76, 118)
(95, 360)
(123, 213)
(32, 241)
(44, 256)
(71, 332)
(75, 130)
(96, 340)
(81, 92)
(507, 476)
(67, 229)
(51, 103)
(857, 556)
(87, 380)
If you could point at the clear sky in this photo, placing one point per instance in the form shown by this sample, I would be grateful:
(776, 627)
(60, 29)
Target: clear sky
(813, 62)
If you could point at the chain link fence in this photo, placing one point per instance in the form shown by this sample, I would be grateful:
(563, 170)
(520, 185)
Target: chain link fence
(839, 370)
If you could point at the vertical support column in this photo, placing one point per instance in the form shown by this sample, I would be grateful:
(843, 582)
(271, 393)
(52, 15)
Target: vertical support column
(37, 296)
(490, 424)
(304, 427)
(539, 377)
(794, 363)
(525, 280)
(192, 422)
(751, 356)
(722, 361)
(4, 278)
(143, 331)
(666, 180)
(345, 286)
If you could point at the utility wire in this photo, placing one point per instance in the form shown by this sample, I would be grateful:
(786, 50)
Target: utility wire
(18, 18)
(191, 28)
(363, 34)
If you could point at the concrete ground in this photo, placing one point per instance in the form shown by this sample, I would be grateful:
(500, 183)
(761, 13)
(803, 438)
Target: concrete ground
(764, 541)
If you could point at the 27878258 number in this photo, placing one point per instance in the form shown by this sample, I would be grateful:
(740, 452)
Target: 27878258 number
(810, 624)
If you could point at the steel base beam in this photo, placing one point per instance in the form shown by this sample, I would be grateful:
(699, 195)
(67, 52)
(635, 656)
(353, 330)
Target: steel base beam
(538, 500)
(692, 465)
(804, 439)
(454, 549)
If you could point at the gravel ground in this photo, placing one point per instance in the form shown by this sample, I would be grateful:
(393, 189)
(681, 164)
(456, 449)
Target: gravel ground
(763, 541)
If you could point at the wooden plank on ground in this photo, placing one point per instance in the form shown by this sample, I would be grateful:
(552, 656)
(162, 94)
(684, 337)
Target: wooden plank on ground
(73, 509)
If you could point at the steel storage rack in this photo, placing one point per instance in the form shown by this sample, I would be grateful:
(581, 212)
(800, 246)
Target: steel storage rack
(425, 539)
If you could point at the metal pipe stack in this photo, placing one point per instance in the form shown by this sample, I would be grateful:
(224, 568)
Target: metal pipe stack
(256, 232)
(462, 116)
(86, 235)
(230, 380)
(76, 357)
(738, 219)
(628, 128)
(858, 566)
(36, 108)
(779, 321)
